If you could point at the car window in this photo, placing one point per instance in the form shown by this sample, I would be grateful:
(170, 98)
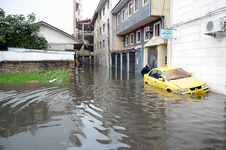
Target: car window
(153, 73)
(175, 74)
(158, 74)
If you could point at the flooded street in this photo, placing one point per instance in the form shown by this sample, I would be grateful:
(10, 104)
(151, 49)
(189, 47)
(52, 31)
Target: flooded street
(103, 110)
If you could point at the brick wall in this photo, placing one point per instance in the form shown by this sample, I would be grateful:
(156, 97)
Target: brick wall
(17, 67)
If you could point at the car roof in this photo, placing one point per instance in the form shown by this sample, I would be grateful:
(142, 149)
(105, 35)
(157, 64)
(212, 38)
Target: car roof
(166, 68)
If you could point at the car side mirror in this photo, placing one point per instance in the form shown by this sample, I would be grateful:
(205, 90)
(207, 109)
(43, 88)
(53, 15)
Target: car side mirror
(190, 74)
(161, 79)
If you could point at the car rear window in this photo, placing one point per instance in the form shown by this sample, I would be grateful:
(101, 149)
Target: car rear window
(175, 74)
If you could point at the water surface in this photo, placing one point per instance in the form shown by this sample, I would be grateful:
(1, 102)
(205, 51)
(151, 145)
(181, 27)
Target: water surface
(108, 109)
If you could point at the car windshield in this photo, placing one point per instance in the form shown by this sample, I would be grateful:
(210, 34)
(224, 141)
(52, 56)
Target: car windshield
(175, 74)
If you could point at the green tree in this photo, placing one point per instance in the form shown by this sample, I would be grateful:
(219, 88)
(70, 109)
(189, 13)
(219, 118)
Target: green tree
(17, 31)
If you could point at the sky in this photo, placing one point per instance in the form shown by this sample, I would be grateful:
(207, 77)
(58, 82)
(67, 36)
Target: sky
(58, 13)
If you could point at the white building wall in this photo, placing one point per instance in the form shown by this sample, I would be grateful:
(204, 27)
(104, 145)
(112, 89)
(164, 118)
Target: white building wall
(104, 57)
(56, 40)
(203, 55)
(34, 56)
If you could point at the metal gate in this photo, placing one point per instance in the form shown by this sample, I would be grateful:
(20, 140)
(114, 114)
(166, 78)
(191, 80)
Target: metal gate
(132, 61)
(113, 60)
(152, 59)
(118, 61)
(124, 61)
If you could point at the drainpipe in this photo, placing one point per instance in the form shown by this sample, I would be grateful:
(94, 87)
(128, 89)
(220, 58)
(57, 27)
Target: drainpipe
(142, 50)
(83, 42)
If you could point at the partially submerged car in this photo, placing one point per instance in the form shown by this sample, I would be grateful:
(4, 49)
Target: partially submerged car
(175, 79)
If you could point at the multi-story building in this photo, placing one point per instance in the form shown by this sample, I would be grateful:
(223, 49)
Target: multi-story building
(138, 23)
(84, 32)
(102, 21)
(199, 44)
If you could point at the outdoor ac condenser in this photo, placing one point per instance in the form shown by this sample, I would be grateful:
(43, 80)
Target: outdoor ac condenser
(215, 25)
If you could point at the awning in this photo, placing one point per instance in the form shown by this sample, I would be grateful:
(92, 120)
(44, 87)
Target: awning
(155, 41)
(130, 48)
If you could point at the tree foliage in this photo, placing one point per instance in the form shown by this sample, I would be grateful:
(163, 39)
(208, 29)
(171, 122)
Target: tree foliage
(17, 31)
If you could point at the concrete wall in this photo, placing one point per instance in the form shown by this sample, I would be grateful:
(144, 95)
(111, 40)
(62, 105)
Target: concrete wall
(203, 55)
(32, 56)
(142, 13)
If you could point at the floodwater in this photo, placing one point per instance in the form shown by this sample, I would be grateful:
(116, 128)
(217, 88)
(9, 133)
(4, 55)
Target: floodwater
(102, 110)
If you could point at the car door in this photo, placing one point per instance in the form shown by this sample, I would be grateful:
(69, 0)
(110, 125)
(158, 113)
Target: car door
(151, 77)
(159, 83)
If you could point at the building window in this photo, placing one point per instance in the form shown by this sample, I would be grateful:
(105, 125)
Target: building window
(103, 43)
(127, 40)
(103, 27)
(108, 4)
(100, 45)
(136, 5)
(103, 11)
(100, 30)
(138, 36)
(100, 15)
(157, 29)
(131, 38)
(130, 9)
(118, 18)
(145, 2)
(123, 15)
(146, 33)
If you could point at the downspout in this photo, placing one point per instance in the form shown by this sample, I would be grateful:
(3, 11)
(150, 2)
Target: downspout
(149, 7)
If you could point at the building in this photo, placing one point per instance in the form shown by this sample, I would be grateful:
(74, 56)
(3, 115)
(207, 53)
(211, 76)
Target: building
(103, 32)
(85, 33)
(199, 40)
(137, 40)
(58, 39)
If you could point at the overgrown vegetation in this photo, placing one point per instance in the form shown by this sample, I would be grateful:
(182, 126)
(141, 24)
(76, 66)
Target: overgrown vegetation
(54, 76)
(17, 31)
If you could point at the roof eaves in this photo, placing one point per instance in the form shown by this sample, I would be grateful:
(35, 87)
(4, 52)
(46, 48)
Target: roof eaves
(58, 30)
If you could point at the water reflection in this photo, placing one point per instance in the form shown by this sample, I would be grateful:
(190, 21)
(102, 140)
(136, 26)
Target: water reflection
(109, 109)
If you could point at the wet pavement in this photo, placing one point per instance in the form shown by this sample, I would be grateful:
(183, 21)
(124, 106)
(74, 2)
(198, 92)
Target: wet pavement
(103, 110)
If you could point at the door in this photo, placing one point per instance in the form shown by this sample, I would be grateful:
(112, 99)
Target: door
(118, 61)
(153, 78)
(152, 59)
(132, 61)
(113, 60)
(124, 61)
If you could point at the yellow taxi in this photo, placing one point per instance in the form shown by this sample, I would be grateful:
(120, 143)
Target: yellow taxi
(175, 79)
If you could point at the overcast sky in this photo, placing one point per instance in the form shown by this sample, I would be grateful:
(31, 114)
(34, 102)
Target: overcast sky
(58, 13)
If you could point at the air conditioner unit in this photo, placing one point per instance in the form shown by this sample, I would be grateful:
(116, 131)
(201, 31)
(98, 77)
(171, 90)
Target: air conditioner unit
(215, 25)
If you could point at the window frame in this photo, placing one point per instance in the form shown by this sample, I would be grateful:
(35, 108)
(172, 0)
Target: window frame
(103, 27)
(103, 10)
(103, 43)
(131, 39)
(135, 6)
(157, 23)
(144, 4)
(123, 14)
(100, 30)
(127, 40)
(130, 3)
(108, 4)
(148, 27)
(138, 37)
(118, 19)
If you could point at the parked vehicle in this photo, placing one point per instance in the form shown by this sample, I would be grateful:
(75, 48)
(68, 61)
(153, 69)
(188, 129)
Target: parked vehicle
(175, 79)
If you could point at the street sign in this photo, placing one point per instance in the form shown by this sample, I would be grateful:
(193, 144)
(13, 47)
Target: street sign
(166, 34)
